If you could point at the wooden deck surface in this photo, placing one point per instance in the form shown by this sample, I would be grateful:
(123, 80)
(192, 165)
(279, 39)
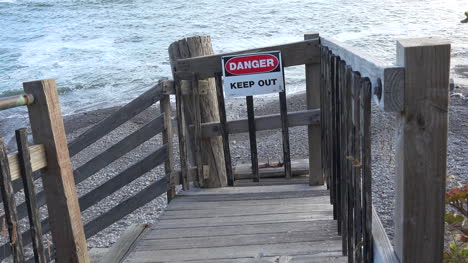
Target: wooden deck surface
(280, 223)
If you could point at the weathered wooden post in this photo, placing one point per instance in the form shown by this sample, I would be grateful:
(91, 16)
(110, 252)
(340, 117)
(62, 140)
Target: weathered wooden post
(312, 74)
(58, 181)
(421, 167)
(211, 148)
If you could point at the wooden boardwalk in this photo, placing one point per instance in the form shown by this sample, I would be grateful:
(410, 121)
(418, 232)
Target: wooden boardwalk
(282, 223)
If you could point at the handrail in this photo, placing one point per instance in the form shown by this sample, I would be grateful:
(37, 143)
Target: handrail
(16, 101)
(387, 80)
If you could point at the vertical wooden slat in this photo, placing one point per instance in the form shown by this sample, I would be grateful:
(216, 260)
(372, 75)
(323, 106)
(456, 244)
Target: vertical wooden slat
(58, 181)
(197, 129)
(366, 169)
(341, 149)
(224, 131)
(30, 195)
(333, 142)
(421, 152)
(181, 129)
(9, 206)
(348, 164)
(313, 82)
(322, 107)
(285, 133)
(356, 89)
(165, 108)
(252, 138)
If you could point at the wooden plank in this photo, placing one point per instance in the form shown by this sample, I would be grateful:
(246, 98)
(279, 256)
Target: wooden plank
(304, 52)
(335, 161)
(357, 171)
(119, 149)
(126, 207)
(197, 131)
(224, 129)
(235, 252)
(266, 122)
(182, 131)
(422, 150)
(124, 244)
(341, 119)
(383, 251)
(389, 79)
(252, 139)
(236, 240)
(285, 133)
(250, 196)
(116, 119)
(349, 173)
(312, 76)
(223, 221)
(38, 161)
(367, 168)
(127, 176)
(166, 110)
(224, 231)
(274, 181)
(326, 257)
(212, 148)
(243, 211)
(262, 202)
(24, 158)
(9, 206)
(186, 87)
(59, 184)
(298, 167)
(257, 189)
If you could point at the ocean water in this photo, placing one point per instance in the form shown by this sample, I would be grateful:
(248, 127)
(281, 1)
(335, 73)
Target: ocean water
(105, 53)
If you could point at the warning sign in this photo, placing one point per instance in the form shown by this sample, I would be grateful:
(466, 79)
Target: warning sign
(252, 74)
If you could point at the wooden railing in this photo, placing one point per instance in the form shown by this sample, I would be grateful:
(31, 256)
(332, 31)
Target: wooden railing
(37, 161)
(417, 90)
(193, 71)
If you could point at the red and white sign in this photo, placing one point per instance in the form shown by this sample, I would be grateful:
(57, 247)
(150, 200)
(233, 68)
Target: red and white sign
(252, 74)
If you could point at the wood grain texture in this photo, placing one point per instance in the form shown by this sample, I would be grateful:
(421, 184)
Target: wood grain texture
(421, 156)
(38, 161)
(166, 110)
(24, 157)
(228, 227)
(59, 184)
(265, 122)
(383, 251)
(285, 133)
(312, 76)
(252, 139)
(223, 128)
(116, 119)
(391, 77)
(124, 208)
(9, 206)
(293, 54)
(124, 244)
(212, 148)
(119, 149)
(298, 167)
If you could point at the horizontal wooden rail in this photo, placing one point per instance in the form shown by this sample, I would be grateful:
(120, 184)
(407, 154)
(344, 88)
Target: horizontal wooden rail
(383, 249)
(267, 122)
(298, 167)
(130, 174)
(38, 161)
(185, 87)
(293, 54)
(387, 81)
(116, 119)
(126, 207)
(119, 149)
(93, 197)
(105, 158)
